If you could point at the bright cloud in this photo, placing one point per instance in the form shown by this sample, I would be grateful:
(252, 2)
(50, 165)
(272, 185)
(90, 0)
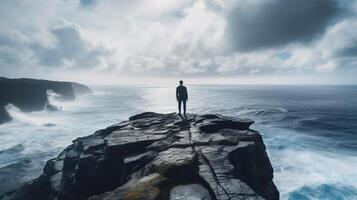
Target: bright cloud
(194, 38)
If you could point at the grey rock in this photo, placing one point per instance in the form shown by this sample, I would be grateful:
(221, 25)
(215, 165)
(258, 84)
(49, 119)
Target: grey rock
(190, 192)
(160, 156)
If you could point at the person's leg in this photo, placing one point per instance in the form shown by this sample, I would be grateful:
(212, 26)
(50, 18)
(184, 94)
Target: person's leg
(179, 106)
(184, 107)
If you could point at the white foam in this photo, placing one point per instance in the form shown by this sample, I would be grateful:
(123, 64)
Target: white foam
(19, 116)
(53, 98)
(296, 168)
(37, 118)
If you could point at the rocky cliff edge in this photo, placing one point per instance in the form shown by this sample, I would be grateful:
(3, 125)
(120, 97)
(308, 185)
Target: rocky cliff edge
(160, 156)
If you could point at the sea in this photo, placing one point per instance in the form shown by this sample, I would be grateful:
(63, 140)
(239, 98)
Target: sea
(310, 131)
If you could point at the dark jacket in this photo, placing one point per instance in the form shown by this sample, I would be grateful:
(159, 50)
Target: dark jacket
(181, 93)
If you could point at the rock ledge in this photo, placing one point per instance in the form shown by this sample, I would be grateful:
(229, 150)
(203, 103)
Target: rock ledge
(160, 156)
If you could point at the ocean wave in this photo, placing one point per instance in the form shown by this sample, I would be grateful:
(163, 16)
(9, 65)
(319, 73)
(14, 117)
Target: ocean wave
(15, 174)
(262, 111)
(10, 155)
(17, 115)
(38, 118)
(332, 191)
(14, 149)
(54, 103)
(307, 122)
(249, 111)
(53, 98)
(324, 126)
(307, 172)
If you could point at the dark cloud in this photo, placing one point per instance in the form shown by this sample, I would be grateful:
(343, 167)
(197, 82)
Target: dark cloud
(87, 2)
(350, 51)
(69, 47)
(272, 23)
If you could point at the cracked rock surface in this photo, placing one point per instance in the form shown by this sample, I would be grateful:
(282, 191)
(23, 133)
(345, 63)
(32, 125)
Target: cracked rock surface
(160, 156)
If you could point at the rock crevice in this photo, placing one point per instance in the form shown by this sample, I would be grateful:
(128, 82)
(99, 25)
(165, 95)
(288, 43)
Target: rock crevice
(160, 156)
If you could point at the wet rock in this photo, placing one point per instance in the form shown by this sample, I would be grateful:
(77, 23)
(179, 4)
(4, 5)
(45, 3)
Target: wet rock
(214, 125)
(147, 188)
(190, 191)
(175, 163)
(160, 156)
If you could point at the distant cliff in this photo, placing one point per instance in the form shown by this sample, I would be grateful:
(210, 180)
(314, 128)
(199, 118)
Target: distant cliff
(31, 94)
(160, 157)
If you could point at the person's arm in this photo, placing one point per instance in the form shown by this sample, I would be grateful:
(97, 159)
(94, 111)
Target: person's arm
(186, 94)
(177, 94)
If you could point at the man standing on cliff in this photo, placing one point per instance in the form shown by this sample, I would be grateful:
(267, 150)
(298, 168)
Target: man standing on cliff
(182, 97)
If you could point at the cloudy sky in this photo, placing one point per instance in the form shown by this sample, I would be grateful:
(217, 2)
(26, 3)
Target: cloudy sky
(225, 41)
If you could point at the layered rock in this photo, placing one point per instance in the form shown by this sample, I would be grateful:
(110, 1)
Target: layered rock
(31, 95)
(160, 156)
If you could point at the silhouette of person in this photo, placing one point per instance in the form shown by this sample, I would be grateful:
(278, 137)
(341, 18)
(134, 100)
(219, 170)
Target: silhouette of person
(182, 97)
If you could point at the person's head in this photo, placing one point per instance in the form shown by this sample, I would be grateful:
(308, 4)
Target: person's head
(181, 82)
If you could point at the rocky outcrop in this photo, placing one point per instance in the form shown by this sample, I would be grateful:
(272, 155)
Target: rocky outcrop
(31, 95)
(79, 89)
(160, 156)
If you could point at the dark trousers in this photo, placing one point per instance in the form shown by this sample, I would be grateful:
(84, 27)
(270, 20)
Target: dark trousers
(184, 105)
